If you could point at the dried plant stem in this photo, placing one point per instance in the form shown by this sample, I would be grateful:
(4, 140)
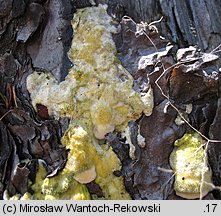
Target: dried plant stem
(14, 96)
(6, 114)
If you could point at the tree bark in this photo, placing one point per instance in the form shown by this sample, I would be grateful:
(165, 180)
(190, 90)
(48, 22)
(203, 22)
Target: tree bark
(37, 34)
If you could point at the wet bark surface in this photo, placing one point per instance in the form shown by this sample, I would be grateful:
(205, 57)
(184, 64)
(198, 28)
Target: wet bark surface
(37, 34)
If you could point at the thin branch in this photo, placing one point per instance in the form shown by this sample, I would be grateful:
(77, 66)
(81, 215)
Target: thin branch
(157, 21)
(165, 170)
(6, 114)
(14, 96)
(3, 98)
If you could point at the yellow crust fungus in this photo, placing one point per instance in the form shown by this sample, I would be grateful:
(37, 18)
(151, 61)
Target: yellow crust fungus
(98, 96)
(192, 173)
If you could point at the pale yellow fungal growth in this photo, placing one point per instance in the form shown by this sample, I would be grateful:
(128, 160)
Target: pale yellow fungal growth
(102, 118)
(61, 186)
(53, 188)
(45, 90)
(98, 96)
(193, 175)
(87, 161)
(86, 176)
(97, 87)
(112, 186)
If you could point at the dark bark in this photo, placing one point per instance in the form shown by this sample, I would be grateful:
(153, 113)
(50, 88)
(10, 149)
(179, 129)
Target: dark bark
(37, 34)
(185, 22)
